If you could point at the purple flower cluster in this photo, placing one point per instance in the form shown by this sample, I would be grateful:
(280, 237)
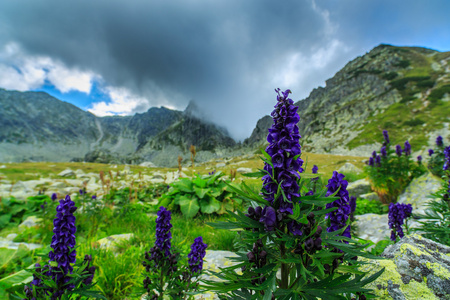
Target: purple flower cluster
(439, 141)
(63, 241)
(398, 212)
(419, 159)
(268, 216)
(339, 217)
(447, 158)
(315, 169)
(398, 150)
(54, 197)
(163, 234)
(430, 152)
(407, 148)
(198, 252)
(386, 136)
(284, 150)
(90, 269)
(383, 151)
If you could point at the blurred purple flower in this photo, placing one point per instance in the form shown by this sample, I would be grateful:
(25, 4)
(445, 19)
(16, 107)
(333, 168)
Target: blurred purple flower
(386, 136)
(383, 151)
(315, 169)
(398, 150)
(439, 141)
(407, 148)
(430, 152)
(54, 196)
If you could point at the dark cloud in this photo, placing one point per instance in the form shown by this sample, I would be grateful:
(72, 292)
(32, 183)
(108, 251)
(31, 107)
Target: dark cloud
(227, 55)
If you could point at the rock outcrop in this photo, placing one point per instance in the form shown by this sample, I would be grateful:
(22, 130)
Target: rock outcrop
(416, 268)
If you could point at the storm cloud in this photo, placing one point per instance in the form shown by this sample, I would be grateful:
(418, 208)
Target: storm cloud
(227, 55)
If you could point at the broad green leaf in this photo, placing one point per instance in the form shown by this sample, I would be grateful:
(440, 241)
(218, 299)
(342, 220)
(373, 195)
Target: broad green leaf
(4, 220)
(201, 192)
(21, 277)
(184, 185)
(199, 182)
(209, 205)
(6, 256)
(189, 207)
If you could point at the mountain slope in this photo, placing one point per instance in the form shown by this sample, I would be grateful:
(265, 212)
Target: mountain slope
(401, 89)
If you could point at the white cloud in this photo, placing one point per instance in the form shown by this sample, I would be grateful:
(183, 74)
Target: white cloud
(123, 102)
(22, 72)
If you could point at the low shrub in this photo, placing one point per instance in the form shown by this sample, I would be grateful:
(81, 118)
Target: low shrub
(364, 206)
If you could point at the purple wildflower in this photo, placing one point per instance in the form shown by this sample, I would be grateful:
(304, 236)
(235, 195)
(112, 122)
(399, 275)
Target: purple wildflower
(163, 234)
(269, 218)
(419, 159)
(94, 197)
(398, 150)
(439, 141)
(383, 151)
(374, 154)
(198, 252)
(352, 204)
(54, 196)
(407, 148)
(284, 150)
(63, 242)
(371, 162)
(398, 212)
(378, 160)
(430, 152)
(386, 136)
(315, 169)
(447, 158)
(338, 218)
(90, 269)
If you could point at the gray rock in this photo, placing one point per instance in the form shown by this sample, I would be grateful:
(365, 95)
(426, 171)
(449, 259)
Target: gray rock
(147, 164)
(220, 165)
(11, 245)
(58, 185)
(31, 221)
(419, 190)
(349, 168)
(416, 268)
(370, 196)
(359, 187)
(372, 227)
(244, 170)
(110, 242)
(66, 173)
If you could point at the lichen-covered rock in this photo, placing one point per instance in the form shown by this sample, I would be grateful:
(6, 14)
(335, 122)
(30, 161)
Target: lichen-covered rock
(359, 187)
(416, 268)
(418, 191)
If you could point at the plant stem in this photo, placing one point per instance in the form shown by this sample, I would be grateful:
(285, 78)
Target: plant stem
(161, 284)
(284, 268)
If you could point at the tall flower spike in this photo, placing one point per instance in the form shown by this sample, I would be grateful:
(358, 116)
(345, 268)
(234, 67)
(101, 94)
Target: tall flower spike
(407, 149)
(430, 152)
(386, 136)
(398, 150)
(198, 252)
(63, 241)
(439, 141)
(285, 150)
(338, 218)
(163, 234)
(447, 158)
(315, 169)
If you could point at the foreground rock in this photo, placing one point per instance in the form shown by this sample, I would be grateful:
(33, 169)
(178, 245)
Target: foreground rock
(349, 168)
(416, 268)
(359, 187)
(419, 190)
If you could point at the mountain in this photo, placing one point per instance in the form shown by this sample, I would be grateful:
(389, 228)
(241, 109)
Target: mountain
(38, 127)
(404, 90)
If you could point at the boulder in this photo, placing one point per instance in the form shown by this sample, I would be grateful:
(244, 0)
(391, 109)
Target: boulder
(244, 170)
(147, 164)
(349, 168)
(31, 221)
(416, 268)
(372, 227)
(359, 187)
(370, 196)
(419, 190)
(220, 165)
(110, 242)
(66, 173)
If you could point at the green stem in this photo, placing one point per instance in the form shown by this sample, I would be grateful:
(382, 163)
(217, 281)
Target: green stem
(161, 284)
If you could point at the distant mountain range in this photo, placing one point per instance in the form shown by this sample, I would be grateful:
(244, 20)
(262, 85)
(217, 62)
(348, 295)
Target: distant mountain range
(405, 90)
(35, 126)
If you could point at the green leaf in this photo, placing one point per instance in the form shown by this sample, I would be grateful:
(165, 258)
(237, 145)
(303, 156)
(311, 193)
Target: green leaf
(199, 182)
(184, 185)
(254, 174)
(201, 192)
(189, 207)
(21, 277)
(209, 206)
(4, 220)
